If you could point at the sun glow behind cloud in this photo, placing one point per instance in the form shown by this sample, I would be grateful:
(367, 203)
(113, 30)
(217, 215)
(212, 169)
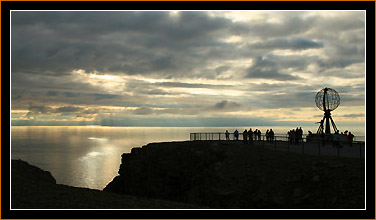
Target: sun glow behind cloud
(106, 82)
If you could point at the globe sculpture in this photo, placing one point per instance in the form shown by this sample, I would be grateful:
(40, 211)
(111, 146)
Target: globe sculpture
(327, 100)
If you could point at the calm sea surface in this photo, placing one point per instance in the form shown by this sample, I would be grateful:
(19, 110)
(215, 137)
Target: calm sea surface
(89, 156)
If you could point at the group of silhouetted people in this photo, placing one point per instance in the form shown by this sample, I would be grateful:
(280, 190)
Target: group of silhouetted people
(269, 135)
(336, 138)
(343, 137)
(295, 136)
(248, 136)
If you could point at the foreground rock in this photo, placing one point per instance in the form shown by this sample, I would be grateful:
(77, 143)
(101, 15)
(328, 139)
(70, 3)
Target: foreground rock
(232, 175)
(33, 188)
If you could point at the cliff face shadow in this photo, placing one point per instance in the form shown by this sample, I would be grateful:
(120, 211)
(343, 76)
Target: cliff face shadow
(34, 188)
(233, 175)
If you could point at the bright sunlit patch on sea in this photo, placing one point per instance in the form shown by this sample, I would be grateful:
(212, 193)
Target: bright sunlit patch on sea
(92, 155)
(98, 139)
(104, 150)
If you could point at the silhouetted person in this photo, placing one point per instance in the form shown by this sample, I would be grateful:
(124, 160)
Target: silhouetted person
(245, 136)
(296, 135)
(255, 134)
(250, 136)
(291, 135)
(267, 135)
(336, 139)
(350, 138)
(259, 135)
(271, 135)
(309, 136)
(227, 134)
(236, 134)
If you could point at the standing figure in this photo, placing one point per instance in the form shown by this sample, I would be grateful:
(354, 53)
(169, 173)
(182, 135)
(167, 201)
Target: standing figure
(250, 136)
(227, 135)
(245, 136)
(255, 135)
(350, 138)
(297, 135)
(336, 139)
(271, 135)
(236, 134)
(293, 136)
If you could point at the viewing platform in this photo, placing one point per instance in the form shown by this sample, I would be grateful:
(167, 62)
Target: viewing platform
(308, 144)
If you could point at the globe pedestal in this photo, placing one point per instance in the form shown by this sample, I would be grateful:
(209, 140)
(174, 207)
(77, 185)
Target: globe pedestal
(327, 120)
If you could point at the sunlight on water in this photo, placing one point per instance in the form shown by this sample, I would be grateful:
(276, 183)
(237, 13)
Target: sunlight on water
(90, 156)
(98, 139)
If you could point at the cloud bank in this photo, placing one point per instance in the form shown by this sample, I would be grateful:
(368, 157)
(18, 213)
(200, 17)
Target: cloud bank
(126, 67)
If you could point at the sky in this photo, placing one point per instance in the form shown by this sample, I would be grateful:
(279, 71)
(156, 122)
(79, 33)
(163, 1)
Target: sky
(185, 68)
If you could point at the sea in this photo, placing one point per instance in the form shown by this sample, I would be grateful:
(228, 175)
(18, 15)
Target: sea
(90, 156)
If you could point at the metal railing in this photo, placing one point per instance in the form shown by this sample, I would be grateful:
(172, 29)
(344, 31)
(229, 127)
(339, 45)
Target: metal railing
(222, 136)
(305, 145)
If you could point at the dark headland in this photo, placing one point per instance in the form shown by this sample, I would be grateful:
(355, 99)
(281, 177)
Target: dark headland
(204, 174)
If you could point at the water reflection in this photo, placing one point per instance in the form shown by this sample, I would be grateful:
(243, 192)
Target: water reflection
(98, 139)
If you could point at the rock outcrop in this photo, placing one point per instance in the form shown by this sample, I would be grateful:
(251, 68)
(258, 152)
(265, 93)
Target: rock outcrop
(170, 171)
(21, 171)
(34, 188)
(233, 175)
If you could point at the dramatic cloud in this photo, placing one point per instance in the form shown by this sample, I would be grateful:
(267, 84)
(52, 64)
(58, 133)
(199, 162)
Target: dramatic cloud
(293, 44)
(184, 68)
(68, 109)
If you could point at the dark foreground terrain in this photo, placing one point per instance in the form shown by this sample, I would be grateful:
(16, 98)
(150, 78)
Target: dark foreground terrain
(33, 188)
(185, 175)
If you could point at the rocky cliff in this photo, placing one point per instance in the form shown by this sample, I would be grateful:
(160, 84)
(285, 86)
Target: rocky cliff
(34, 188)
(233, 175)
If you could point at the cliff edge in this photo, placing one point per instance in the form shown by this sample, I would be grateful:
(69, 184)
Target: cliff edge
(234, 175)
